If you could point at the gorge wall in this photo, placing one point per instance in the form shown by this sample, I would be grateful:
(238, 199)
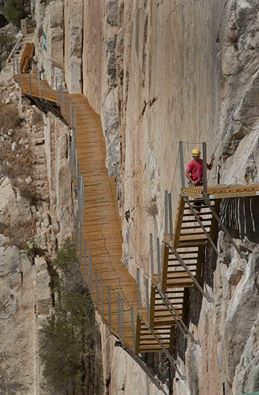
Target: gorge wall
(157, 72)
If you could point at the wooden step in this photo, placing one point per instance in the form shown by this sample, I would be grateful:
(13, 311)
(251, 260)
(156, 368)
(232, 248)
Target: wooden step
(179, 282)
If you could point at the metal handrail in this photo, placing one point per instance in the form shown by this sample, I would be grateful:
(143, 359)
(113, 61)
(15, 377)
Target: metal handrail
(14, 49)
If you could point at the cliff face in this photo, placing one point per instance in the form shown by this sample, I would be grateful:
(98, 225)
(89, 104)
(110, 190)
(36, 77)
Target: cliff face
(36, 205)
(175, 71)
(157, 72)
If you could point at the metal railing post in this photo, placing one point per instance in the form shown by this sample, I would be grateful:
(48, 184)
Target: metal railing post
(151, 254)
(138, 290)
(133, 327)
(158, 259)
(70, 114)
(204, 158)
(13, 65)
(76, 163)
(102, 299)
(119, 315)
(85, 261)
(61, 98)
(72, 154)
(147, 300)
(90, 271)
(170, 213)
(17, 64)
(182, 164)
(122, 318)
(166, 212)
(109, 306)
(39, 84)
(30, 85)
(96, 290)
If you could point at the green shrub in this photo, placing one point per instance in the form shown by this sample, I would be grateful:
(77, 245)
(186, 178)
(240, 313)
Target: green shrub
(68, 338)
(7, 41)
(14, 11)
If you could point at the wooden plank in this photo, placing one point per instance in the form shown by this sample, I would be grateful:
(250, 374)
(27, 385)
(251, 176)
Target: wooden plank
(26, 57)
(176, 283)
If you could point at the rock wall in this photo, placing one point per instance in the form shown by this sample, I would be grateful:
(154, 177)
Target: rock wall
(228, 357)
(159, 72)
(37, 203)
(185, 71)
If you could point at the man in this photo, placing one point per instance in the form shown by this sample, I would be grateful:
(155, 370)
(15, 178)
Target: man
(194, 170)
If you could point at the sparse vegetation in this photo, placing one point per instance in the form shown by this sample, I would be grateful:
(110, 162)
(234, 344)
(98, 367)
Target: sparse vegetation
(151, 208)
(19, 233)
(68, 338)
(14, 11)
(6, 44)
(17, 160)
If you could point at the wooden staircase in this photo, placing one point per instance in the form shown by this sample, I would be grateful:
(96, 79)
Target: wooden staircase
(139, 329)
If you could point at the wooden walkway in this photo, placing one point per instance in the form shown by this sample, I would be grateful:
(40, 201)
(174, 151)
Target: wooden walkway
(113, 289)
(101, 225)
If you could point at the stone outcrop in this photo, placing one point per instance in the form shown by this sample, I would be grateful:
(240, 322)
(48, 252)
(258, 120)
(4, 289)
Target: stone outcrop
(37, 203)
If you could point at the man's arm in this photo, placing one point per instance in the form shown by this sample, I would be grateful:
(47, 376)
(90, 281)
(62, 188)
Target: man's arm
(188, 174)
(209, 165)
